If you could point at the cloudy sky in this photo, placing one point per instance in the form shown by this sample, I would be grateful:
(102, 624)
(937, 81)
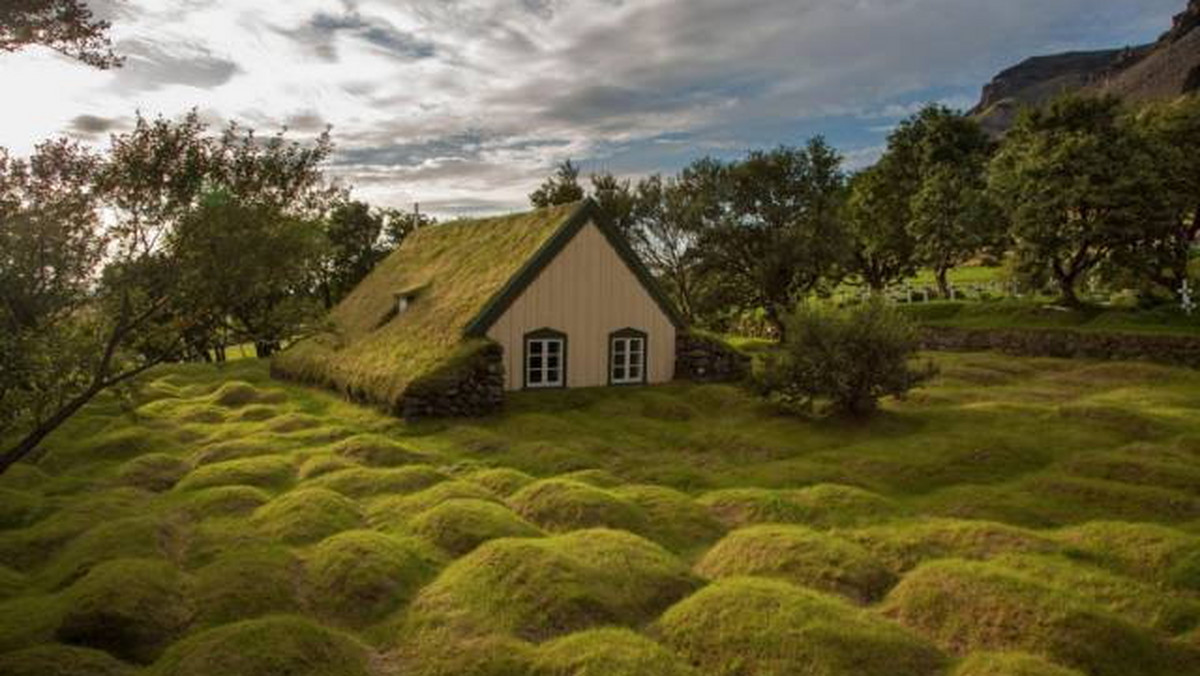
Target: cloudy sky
(464, 105)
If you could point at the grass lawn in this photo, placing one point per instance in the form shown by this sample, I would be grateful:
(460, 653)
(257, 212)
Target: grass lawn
(1026, 314)
(1016, 517)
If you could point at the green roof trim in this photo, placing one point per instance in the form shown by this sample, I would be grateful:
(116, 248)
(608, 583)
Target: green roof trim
(584, 214)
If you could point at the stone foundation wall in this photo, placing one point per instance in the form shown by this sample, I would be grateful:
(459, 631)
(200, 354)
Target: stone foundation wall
(472, 388)
(1176, 350)
(706, 359)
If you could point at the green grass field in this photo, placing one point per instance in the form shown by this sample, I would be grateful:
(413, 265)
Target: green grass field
(1032, 314)
(1017, 517)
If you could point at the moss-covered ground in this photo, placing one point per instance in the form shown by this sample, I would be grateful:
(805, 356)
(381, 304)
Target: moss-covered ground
(1016, 517)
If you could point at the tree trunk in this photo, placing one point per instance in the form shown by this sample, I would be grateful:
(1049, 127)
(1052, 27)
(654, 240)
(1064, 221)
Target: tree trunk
(1066, 291)
(776, 320)
(943, 282)
(26, 445)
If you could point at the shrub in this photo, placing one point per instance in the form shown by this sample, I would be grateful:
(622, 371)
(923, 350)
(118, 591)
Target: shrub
(561, 505)
(62, 660)
(608, 652)
(307, 515)
(131, 608)
(269, 471)
(851, 358)
(154, 472)
(968, 606)
(1010, 664)
(271, 645)
(247, 583)
(756, 626)
(797, 554)
(543, 587)
(460, 525)
(358, 577)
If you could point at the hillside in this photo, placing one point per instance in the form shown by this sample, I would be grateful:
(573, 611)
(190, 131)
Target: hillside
(1017, 516)
(1161, 70)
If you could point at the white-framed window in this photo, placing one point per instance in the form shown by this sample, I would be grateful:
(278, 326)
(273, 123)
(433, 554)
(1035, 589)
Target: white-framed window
(627, 357)
(545, 359)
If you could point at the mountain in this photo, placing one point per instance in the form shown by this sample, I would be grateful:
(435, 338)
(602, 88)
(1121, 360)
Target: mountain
(1160, 70)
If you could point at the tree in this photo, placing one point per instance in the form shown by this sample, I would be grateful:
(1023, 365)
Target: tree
(882, 249)
(615, 200)
(851, 357)
(352, 248)
(398, 225)
(662, 229)
(66, 26)
(1080, 188)
(560, 188)
(779, 236)
(953, 218)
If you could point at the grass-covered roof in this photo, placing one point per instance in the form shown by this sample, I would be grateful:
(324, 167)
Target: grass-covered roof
(451, 271)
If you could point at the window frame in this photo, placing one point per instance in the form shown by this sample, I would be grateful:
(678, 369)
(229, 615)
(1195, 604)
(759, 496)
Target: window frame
(545, 334)
(627, 333)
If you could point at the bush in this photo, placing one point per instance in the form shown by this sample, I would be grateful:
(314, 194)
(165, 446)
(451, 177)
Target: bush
(272, 645)
(460, 525)
(131, 608)
(756, 626)
(608, 652)
(62, 660)
(851, 358)
(358, 577)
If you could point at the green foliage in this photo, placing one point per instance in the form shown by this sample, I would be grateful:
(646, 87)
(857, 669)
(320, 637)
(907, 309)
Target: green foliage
(359, 576)
(458, 526)
(67, 26)
(608, 652)
(560, 188)
(852, 358)
(876, 218)
(273, 645)
(750, 625)
(802, 556)
(131, 608)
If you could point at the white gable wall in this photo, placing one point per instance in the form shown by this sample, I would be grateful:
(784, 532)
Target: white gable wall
(586, 292)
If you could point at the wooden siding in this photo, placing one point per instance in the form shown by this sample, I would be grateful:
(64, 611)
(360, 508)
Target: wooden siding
(587, 292)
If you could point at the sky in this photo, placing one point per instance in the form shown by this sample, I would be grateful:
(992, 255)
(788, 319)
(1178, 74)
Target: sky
(466, 105)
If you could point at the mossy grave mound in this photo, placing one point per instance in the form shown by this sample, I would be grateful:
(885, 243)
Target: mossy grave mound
(972, 606)
(599, 478)
(1010, 664)
(823, 505)
(133, 537)
(29, 620)
(445, 651)
(27, 548)
(307, 515)
(376, 450)
(358, 577)
(543, 587)
(904, 545)
(19, 509)
(236, 449)
(155, 472)
(393, 512)
(801, 555)
(363, 482)
(561, 505)
(321, 464)
(11, 582)
(222, 501)
(131, 608)
(247, 583)
(62, 660)
(608, 652)
(676, 520)
(237, 393)
(1146, 551)
(271, 645)
(758, 626)
(269, 471)
(458, 526)
(502, 481)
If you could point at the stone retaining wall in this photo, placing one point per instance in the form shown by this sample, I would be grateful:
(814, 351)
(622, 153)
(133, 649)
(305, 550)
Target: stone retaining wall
(1177, 350)
(706, 359)
(472, 388)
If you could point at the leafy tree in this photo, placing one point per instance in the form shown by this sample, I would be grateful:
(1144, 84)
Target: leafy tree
(398, 225)
(953, 218)
(882, 249)
(615, 199)
(851, 357)
(779, 237)
(352, 239)
(663, 229)
(560, 188)
(1080, 187)
(66, 26)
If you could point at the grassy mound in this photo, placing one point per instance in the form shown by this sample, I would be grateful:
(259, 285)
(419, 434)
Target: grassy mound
(307, 515)
(27, 548)
(358, 577)
(969, 606)
(131, 608)
(362, 482)
(676, 521)
(446, 652)
(593, 477)
(904, 545)
(458, 526)
(236, 393)
(256, 413)
(29, 620)
(247, 583)
(223, 501)
(1146, 551)
(500, 480)
(1010, 664)
(11, 582)
(800, 555)
(154, 472)
(236, 449)
(18, 508)
(823, 505)
(323, 463)
(268, 471)
(543, 587)
(62, 660)
(608, 652)
(756, 626)
(394, 512)
(560, 505)
(377, 450)
(273, 645)
(134, 537)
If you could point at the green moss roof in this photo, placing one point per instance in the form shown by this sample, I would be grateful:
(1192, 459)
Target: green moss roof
(456, 269)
